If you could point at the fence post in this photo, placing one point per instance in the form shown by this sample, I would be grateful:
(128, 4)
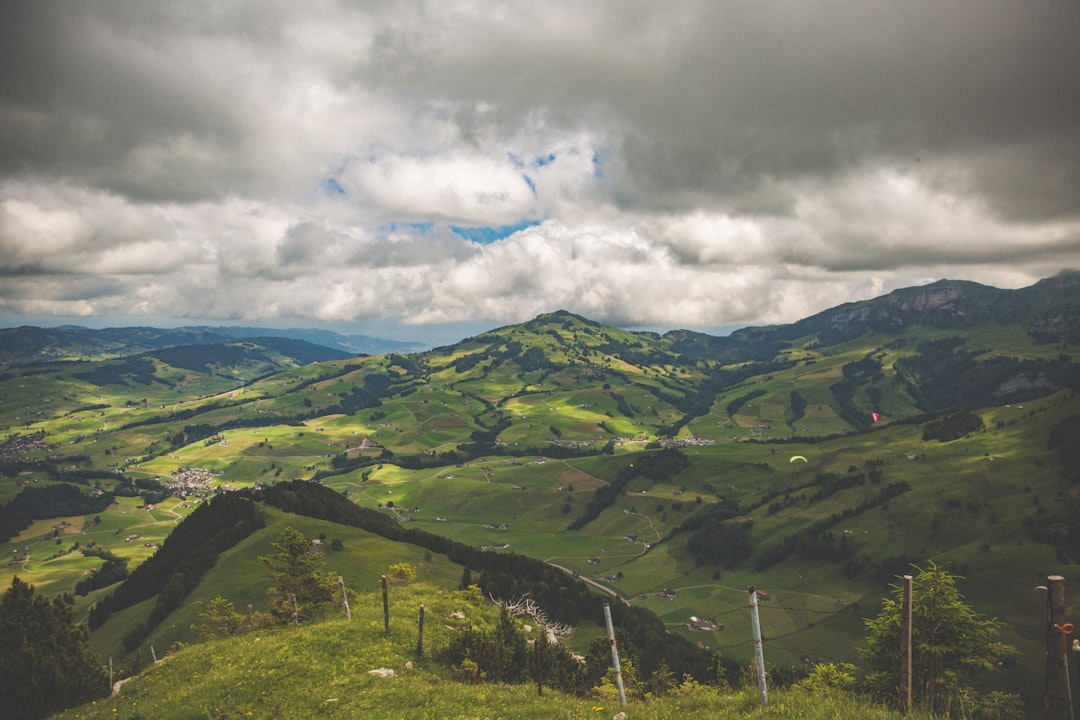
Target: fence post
(345, 598)
(385, 607)
(1056, 697)
(539, 678)
(479, 663)
(1076, 661)
(759, 651)
(905, 646)
(420, 635)
(614, 654)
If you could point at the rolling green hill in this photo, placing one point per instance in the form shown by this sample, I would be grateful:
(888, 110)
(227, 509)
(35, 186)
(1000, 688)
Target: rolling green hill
(28, 344)
(340, 668)
(815, 460)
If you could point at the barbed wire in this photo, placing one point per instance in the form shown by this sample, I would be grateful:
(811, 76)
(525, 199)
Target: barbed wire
(772, 638)
(741, 608)
(805, 610)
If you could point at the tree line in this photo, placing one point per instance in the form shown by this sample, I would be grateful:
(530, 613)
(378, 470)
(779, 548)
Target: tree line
(172, 572)
(47, 501)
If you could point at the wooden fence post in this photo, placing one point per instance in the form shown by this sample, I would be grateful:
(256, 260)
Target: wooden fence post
(479, 664)
(1056, 698)
(539, 678)
(385, 607)
(420, 635)
(345, 598)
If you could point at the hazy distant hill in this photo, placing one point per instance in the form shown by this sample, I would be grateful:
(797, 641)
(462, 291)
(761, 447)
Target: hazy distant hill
(354, 344)
(27, 344)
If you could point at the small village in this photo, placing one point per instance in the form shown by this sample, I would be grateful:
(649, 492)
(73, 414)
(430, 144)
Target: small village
(19, 446)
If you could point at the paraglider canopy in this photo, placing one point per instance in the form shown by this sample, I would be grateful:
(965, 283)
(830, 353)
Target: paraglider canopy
(797, 457)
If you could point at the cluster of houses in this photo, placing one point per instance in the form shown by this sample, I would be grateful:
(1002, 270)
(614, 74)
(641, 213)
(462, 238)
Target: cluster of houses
(694, 441)
(17, 446)
(186, 480)
(620, 440)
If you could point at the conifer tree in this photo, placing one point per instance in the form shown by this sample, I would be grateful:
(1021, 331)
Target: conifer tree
(46, 663)
(296, 571)
(219, 620)
(952, 646)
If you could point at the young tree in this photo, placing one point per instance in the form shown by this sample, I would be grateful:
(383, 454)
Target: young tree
(952, 645)
(219, 620)
(46, 663)
(297, 572)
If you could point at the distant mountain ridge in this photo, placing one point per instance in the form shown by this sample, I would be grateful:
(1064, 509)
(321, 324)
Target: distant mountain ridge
(30, 344)
(1052, 304)
(355, 344)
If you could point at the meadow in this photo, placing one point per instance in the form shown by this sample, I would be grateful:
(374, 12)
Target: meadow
(406, 435)
(325, 669)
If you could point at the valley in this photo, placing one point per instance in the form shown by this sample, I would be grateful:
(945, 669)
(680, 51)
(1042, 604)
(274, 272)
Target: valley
(816, 461)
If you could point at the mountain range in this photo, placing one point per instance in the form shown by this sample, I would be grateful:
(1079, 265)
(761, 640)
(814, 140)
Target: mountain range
(29, 344)
(815, 460)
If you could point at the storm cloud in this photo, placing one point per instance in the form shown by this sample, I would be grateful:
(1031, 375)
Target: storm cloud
(690, 164)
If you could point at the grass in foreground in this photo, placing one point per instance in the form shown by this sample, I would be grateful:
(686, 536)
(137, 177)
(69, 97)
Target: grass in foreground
(323, 671)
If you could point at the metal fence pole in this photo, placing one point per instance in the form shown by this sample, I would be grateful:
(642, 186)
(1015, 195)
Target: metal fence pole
(614, 654)
(759, 652)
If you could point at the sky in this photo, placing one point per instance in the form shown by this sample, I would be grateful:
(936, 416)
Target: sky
(419, 169)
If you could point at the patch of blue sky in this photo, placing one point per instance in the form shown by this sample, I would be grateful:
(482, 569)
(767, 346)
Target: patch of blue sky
(529, 182)
(407, 228)
(334, 187)
(537, 162)
(486, 235)
(597, 170)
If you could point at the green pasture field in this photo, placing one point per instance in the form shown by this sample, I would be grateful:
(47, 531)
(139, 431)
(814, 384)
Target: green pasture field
(492, 387)
(905, 527)
(248, 455)
(56, 567)
(968, 503)
(322, 670)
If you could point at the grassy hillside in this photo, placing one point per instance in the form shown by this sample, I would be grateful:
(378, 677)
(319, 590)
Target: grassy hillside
(324, 670)
(672, 457)
(239, 577)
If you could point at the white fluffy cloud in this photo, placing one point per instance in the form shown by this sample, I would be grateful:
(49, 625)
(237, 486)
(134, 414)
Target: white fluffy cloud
(698, 164)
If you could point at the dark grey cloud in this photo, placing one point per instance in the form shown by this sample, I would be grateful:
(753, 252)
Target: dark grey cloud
(701, 162)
